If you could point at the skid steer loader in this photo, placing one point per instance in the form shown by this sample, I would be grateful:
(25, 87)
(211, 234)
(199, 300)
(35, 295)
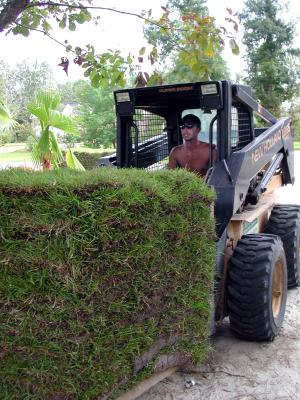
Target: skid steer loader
(258, 245)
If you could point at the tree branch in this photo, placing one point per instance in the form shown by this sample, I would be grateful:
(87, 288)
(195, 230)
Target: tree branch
(80, 7)
(13, 8)
(175, 45)
(46, 34)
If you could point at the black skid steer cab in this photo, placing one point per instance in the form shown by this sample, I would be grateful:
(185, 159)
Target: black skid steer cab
(258, 245)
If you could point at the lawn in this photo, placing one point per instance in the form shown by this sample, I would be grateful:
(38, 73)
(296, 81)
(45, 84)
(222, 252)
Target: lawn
(18, 156)
(84, 149)
(17, 152)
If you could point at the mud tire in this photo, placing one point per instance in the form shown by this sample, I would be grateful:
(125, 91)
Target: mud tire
(257, 287)
(284, 221)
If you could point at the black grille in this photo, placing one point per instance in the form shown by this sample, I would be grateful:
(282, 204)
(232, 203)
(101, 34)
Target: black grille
(234, 128)
(150, 139)
(240, 128)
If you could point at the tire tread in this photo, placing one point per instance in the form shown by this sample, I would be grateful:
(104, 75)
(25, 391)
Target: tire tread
(249, 287)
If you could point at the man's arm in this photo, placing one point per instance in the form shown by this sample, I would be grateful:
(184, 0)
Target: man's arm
(173, 163)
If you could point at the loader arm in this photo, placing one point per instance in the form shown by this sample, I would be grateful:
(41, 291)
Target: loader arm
(231, 178)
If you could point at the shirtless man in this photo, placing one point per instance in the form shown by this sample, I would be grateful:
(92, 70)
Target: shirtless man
(193, 155)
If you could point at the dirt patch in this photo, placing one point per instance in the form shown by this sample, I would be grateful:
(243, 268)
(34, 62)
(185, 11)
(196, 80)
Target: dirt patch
(12, 148)
(243, 370)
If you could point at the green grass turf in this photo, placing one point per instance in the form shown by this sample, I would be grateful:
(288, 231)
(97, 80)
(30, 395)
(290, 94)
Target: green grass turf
(102, 273)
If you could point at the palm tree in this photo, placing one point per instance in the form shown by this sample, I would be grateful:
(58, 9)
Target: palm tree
(47, 150)
(7, 120)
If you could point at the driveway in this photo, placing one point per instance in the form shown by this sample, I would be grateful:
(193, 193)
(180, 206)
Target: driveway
(16, 164)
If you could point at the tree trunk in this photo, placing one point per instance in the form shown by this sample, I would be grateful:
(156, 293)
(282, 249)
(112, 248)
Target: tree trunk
(46, 164)
(11, 11)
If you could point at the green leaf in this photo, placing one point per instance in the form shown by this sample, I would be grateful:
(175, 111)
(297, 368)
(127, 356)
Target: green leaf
(142, 51)
(95, 80)
(7, 121)
(49, 100)
(83, 17)
(39, 112)
(88, 71)
(155, 79)
(56, 154)
(35, 23)
(196, 68)
(63, 22)
(62, 122)
(72, 26)
(234, 47)
(25, 19)
(42, 148)
(93, 72)
(46, 26)
(24, 31)
(73, 162)
(47, 148)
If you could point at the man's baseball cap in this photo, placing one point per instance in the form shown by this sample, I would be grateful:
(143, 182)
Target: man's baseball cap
(191, 119)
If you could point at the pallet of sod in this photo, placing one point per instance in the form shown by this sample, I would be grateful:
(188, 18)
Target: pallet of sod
(103, 274)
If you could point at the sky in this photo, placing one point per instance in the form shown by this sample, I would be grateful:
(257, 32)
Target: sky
(115, 31)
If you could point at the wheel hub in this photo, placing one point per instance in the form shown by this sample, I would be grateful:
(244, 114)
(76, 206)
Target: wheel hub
(277, 290)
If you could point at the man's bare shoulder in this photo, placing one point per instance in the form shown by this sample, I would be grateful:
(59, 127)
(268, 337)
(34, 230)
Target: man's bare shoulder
(177, 149)
(203, 144)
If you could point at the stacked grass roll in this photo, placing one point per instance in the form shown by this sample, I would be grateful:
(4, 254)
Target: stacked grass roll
(105, 277)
